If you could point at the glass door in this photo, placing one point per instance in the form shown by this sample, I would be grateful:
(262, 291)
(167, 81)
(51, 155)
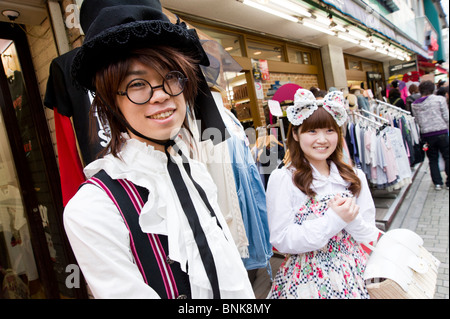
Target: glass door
(34, 252)
(19, 277)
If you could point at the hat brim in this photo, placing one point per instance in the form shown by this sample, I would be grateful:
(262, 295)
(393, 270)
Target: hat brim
(114, 42)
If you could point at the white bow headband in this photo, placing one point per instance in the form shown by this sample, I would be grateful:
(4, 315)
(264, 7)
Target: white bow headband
(305, 104)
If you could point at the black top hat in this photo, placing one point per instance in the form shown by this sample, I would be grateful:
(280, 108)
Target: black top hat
(112, 27)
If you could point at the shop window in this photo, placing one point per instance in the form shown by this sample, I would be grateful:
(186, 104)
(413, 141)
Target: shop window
(263, 51)
(354, 65)
(368, 67)
(229, 42)
(306, 58)
(296, 56)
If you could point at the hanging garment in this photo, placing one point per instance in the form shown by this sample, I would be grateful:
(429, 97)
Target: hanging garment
(218, 162)
(401, 158)
(70, 167)
(69, 101)
(252, 199)
(384, 151)
(73, 102)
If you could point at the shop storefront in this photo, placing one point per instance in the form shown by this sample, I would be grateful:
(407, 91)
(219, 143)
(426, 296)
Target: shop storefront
(34, 253)
(267, 64)
(366, 74)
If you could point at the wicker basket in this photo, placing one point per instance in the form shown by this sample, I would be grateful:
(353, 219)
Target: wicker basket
(422, 286)
(401, 268)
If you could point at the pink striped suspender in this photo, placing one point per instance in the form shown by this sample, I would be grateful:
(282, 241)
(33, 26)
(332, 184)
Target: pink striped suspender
(129, 202)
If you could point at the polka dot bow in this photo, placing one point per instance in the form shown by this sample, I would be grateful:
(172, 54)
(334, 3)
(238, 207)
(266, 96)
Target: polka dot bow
(305, 104)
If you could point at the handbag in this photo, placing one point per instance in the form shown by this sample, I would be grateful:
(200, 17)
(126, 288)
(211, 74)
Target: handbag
(399, 267)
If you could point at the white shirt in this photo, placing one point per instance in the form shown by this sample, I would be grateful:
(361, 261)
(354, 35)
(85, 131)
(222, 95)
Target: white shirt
(100, 239)
(284, 200)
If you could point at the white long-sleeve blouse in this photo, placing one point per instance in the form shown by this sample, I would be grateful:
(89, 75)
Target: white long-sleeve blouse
(284, 200)
(100, 239)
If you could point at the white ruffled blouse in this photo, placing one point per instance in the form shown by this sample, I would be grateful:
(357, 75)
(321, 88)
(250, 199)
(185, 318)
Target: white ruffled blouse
(100, 239)
(284, 200)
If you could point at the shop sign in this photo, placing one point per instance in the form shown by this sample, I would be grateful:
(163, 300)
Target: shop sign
(275, 108)
(259, 90)
(374, 75)
(402, 66)
(260, 70)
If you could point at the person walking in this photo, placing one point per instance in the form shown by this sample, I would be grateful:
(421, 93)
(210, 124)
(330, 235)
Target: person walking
(319, 208)
(146, 76)
(431, 114)
(395, 98)
(414, 94)
(443, 91)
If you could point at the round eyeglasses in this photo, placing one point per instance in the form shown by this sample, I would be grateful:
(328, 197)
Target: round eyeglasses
(140, 91)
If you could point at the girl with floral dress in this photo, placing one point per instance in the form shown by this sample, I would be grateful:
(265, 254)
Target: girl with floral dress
(319, 208)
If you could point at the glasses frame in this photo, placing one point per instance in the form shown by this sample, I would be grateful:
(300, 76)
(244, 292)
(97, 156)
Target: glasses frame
(153, 88)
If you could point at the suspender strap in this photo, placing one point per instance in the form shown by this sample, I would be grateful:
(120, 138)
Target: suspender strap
(155, 269)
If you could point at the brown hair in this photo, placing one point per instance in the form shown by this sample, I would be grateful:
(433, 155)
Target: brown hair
(303, 175)
(108, 79)
(413, 89)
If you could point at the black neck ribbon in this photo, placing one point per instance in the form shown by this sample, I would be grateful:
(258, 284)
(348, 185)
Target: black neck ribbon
(185, 200)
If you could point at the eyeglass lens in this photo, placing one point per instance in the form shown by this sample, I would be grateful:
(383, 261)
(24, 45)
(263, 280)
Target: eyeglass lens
(139, 91)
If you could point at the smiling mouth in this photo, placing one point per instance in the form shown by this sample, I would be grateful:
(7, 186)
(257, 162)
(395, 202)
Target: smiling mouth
(320, 148)
(161, 116)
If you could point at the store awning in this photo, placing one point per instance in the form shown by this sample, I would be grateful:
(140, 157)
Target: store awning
(376, 22)
(441, 69)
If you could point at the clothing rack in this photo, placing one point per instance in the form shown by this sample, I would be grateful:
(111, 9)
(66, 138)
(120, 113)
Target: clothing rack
(375, 116)
(279, 124)
(393, 106)
(381, 126)
(365, 118)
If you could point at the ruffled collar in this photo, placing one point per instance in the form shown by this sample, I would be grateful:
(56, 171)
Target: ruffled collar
(335, 177)
(132, 151)
(144, 166)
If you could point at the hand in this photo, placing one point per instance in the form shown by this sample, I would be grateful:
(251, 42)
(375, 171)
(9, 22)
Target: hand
(345, 208)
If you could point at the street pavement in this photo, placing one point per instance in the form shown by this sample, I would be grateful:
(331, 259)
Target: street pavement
(425, 211)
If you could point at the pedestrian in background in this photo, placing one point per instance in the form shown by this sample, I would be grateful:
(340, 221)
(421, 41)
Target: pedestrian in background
(443, 91)
(395, 98)
(414, 94)
(431, 114)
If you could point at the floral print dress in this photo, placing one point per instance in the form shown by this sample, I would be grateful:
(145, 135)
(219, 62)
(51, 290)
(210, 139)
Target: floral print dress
(332, 272)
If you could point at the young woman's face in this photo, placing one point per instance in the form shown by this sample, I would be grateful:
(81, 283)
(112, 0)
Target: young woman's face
(317, 144)
(159, 118)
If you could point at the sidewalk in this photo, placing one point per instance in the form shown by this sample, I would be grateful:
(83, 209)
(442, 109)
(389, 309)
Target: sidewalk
(426, 212)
